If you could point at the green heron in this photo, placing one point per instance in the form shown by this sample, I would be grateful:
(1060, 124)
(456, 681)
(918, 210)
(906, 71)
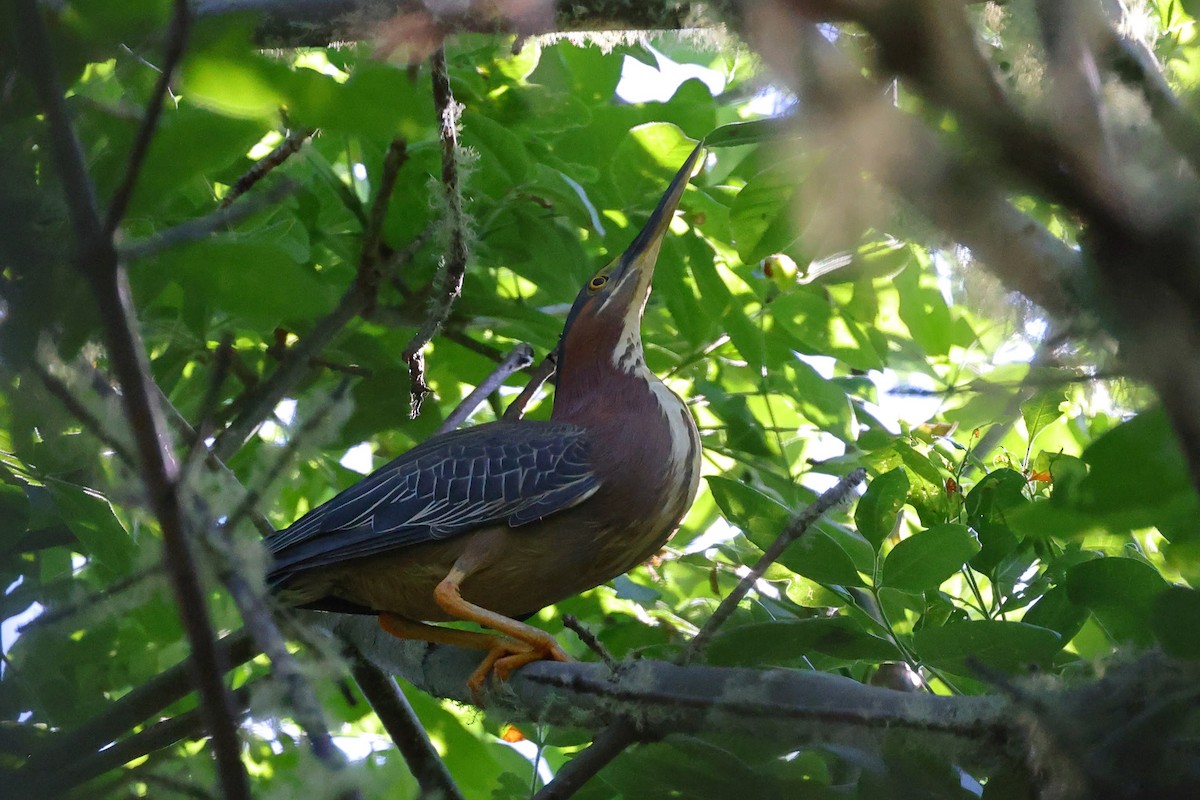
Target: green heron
(494, 522)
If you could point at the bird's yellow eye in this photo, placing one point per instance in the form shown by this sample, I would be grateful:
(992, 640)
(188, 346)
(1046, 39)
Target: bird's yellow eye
(597, 282)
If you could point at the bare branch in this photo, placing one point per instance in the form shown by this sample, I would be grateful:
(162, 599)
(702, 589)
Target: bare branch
(176, 40)
(454, 264)
(96, 259)
(288, 23)
(302, 701)
(78, 770)
(131, 710)
(402, 724)
(588, 638)
(543, 373)
(786, 708)
(517, 359)
(71, 403)
(262, 399)
(193, 230)
(611, 742)
(290, 145)
(249, 503)
(797, 525)
(369, 273)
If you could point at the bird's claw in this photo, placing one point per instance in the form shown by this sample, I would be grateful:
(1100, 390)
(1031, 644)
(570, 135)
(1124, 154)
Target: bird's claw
(507, 656)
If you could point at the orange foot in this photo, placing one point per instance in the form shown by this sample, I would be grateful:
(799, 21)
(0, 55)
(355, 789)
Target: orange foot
(507, 655)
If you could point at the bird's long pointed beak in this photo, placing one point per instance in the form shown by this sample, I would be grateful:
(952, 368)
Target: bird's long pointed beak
(642, 254)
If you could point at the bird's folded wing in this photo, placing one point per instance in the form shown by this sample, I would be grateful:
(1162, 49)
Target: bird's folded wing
(500, 472)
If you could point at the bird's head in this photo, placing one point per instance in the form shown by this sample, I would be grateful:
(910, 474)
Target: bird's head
(605, 320)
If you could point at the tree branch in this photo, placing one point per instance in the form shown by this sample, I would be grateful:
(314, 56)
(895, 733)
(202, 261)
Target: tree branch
(303, 23)
(454, 264)
(259, 402)
(797, 525)
(123, 715)
(545, 370)
(623, 732)
(402, 724)
(785, 708)
(290, 145)
(96, 260)
(517, 359)
(176, 41)
(80, 769)
(611, 742)
(224, 217)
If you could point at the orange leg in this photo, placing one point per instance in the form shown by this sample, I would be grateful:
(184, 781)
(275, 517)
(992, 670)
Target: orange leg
(524, 645)
(403, 628)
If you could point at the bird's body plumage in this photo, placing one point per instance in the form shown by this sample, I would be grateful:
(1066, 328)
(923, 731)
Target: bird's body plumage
(494, 522)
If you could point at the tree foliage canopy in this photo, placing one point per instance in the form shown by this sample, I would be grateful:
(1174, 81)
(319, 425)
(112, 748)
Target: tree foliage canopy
(952, 244)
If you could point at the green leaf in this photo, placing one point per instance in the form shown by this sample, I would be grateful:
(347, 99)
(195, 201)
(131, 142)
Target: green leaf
(823, 402)
(91, 519)
(761, 216)
(646, 160)
(1120, 592)
(997, 542)
(256, 281)
(1174, 618)
(503, 159)
(1054, 610)
(1041, 410)
(996, 493)
(816, 555)
(14, 515)
(880, 504)
(759, 516)
(787, 643)
(926, 559)
(924, 311)
(752, 132)
(1136, 464)
(1008, 646)
(819, 556)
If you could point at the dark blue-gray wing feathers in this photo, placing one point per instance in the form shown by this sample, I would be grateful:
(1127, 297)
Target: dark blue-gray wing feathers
(515, 473)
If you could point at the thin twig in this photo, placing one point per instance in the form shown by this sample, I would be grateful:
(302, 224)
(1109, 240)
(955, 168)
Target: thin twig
(143, 702)
(402, 724)
(261, 400)
(71, 403)
(369, 272)
(797, 525)
(611, 742)
(79, 770)
(92, 600)
(454, 264)
(214, 464)
(199, 228)
(290, 145)
(299, 695)
(96, 259)
(588, 638)
(517, 359)
(249, 502)
(206, 418)
(543, 373)
(176, 41)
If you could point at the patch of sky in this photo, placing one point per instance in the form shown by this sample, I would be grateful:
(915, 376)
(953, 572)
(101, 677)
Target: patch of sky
(359, 458)
(642, 83)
